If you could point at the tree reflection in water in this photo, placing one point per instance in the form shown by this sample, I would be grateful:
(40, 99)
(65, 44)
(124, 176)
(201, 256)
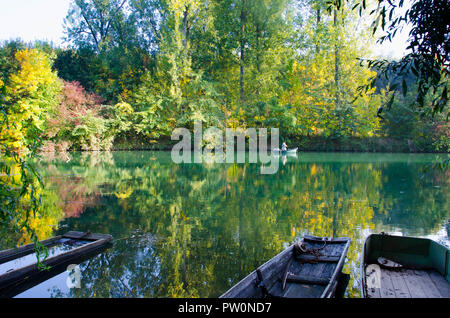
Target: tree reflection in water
(194, 230)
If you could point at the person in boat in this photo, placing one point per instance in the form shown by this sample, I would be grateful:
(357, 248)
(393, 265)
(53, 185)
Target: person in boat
(284, 147)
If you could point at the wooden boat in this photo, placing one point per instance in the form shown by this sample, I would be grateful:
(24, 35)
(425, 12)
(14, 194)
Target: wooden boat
(289, 151)
(310, 268)
(404, 267)
(18, 265)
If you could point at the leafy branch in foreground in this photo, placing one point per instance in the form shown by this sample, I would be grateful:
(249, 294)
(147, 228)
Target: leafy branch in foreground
(19, 195)
(24, 95)
(428, 41)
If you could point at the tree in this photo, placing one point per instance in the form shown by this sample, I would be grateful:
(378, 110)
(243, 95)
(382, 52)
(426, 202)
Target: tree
(178, 92)
(30, 93)
(91, 23)
(76, 123)
(113, 42)
(326, 75)
(430, 57)
(245, 53)
(28, 90)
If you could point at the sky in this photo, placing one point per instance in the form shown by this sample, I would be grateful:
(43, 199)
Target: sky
(43, 20)
(33, 19)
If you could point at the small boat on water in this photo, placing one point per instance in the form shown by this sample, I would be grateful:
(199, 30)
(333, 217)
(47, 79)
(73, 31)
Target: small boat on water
(289, 151)
(404, 267)
(18, 266)
(310, 268)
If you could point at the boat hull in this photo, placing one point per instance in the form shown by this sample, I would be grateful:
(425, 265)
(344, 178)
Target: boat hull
(404, 267)
(291, 151)
(14, 280)
(293, 275)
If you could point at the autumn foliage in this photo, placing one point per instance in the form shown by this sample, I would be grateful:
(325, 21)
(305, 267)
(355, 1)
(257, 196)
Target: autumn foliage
(75, 120)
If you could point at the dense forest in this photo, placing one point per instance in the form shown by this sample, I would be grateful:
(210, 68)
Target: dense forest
(131, 71)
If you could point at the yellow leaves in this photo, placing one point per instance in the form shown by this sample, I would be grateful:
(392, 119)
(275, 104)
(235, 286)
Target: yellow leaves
(124, 193)
(313, 170)
(11, 136)
(43, 227)
(123, 109)
(178, 7)
(259, 118)
(30, 93)
(35, 71)
(297, 67)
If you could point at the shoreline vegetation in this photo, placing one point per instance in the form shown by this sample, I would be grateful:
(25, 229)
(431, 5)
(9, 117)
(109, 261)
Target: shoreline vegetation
(314, 144)
(163, 65)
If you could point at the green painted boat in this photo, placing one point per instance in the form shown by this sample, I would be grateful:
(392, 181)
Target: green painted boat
(404, 267)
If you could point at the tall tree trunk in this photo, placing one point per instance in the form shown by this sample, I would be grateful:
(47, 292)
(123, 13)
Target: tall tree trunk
(317, 26)
(185, 27)
(336, 62)
(243, 18)
(258, 49)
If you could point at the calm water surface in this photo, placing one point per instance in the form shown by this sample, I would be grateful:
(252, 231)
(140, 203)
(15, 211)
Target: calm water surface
(194, 230)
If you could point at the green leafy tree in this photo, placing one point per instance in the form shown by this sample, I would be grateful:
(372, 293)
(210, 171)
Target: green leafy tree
(324, 79)
(28, 91)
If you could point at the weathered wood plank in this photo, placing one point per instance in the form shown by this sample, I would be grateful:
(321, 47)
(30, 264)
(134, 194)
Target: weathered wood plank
(330, 289)
(306, 291)
(296, 290)
(400, 288)
(427, 284)
(387, 288)
(273, 270)
(310, 280)
(342, 284)
(415, 289)
(339, 240)
(441, 284)
(87, 236)
(298, 269)
(312, 258)
(318, 271)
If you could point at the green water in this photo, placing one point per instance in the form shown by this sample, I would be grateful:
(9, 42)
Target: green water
(194, 230)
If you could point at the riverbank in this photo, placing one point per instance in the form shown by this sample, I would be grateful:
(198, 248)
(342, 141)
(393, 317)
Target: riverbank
(305, 144)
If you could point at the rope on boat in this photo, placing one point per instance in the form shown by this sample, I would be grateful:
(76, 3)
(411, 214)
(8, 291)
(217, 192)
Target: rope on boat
(301, 248)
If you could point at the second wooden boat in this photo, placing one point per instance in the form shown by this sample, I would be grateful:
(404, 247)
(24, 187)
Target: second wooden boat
(404, 267)
(18, 265)
(285, 152)
(310, 268)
